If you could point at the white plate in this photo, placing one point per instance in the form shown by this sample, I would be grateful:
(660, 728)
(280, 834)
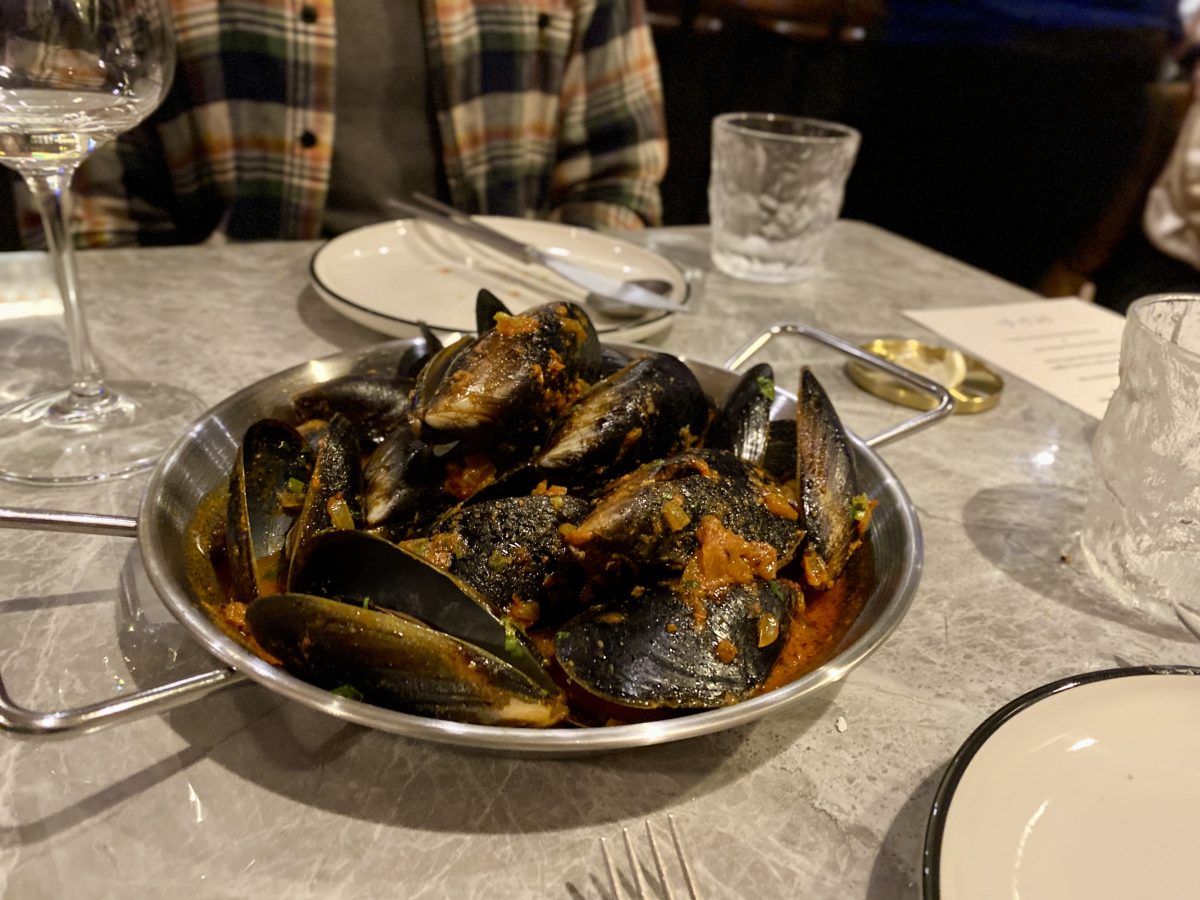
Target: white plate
(392, 276)
(1088, 787)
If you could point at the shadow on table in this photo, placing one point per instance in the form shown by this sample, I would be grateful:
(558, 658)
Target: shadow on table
(1030, 532)
(331, 325)
(33, 358)
(320, 761)
(898, 867)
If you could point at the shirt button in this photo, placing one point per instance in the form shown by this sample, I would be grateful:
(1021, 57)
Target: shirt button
(308, 14)
(308, 139)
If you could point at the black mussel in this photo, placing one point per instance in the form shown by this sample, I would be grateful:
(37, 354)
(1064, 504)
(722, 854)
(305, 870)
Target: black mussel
(357, 568)
(487, 307)
(410, 484)
(266, 493)
(377, 403)
(403, 483)
(511, 551)
(779, 460)
(515, 378)
(429, 379)
(651, 517)
(334, 494)
(204, 556)
(828, 485)
(742, 424)
(666, 648)
(416, 355)
(612, 360)
(653, 407)
(396, 661)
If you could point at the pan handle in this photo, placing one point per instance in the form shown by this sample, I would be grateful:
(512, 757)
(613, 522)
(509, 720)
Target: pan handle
(945, 404)
(19, 721)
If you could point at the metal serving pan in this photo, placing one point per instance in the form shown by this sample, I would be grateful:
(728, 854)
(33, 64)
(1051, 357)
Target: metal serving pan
(202, 458)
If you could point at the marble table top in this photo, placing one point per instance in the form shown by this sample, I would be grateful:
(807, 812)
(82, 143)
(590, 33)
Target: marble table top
(244, 794)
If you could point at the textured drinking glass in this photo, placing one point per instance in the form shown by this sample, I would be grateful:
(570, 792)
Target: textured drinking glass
(776, 187)
(73, 75)
(1141, 530)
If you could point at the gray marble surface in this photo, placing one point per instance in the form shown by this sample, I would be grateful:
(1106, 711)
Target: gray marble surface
(243, 794)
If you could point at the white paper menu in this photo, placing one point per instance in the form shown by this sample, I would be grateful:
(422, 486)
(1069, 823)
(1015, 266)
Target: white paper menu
(1068, 348)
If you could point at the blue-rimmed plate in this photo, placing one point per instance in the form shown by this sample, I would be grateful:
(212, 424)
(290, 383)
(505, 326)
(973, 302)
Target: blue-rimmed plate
(1087, 787)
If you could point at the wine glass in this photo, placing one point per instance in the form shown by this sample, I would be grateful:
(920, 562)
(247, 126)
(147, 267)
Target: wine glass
(73, 75)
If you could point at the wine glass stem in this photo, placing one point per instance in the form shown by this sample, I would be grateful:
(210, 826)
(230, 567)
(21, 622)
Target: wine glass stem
(52, 192)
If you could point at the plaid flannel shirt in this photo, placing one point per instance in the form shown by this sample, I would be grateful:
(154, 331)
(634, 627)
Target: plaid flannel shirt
(548, 108)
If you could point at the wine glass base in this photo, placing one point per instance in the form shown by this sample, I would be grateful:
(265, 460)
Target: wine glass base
(50, 439)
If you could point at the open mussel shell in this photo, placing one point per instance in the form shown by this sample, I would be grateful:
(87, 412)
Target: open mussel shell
(377, 403)
(399, 662)
(429, 380)
(665, 648)
(403, 483)
(651, 408)
(334, 495)
(828, 483)
(487, 307)
(780, 460)
(357, 568)
(612, 359)
(416, 355)
(742, 424)
(265, 493)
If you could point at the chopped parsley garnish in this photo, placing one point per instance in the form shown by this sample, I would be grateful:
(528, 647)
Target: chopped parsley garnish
(512, 644)
(349, 691)
(859, 507)
(766, 387)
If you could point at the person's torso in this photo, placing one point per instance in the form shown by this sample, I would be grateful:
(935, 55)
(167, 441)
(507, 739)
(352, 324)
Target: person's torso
(247, 132)
(383, 145)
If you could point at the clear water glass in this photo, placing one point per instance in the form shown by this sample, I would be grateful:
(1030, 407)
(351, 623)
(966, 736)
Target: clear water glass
(776, 187)
(1141, 529)
(73, 75)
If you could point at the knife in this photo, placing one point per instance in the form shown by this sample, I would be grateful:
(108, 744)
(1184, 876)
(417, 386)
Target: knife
(459, 223)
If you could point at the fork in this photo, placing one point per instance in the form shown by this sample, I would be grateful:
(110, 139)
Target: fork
(636, 868)
(439, 214)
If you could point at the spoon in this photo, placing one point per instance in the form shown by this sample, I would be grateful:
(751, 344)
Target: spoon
(618, 309)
